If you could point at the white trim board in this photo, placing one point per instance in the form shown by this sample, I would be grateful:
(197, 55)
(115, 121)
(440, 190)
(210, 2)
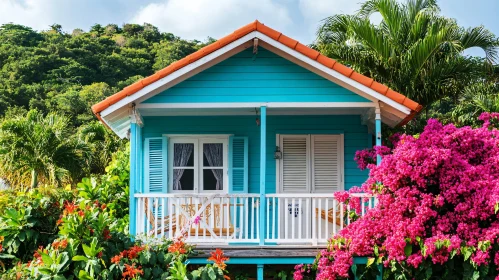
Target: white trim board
(223, 105)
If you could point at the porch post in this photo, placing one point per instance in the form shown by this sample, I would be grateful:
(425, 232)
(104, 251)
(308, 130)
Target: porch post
(135, 172)
(378, 131)
(259, 271)
(263, 152)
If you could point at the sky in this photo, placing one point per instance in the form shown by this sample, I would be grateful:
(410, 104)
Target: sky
(198, 19)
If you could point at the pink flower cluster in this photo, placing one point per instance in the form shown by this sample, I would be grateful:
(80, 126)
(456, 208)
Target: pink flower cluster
(437, 195)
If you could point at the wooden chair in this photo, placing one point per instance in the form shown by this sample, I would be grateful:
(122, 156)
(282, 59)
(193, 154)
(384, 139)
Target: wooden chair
(329, 215)
(219, 217)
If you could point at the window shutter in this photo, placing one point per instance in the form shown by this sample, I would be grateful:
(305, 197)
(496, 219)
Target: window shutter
(327, 163)
(155, 164)
(238, 164)
(295, 164)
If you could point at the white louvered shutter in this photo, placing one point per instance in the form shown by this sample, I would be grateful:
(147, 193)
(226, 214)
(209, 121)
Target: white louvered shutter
(294, 163)
(155, 164)
(326, 153)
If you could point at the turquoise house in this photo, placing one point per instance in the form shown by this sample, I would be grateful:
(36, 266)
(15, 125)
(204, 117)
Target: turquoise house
(243, 144)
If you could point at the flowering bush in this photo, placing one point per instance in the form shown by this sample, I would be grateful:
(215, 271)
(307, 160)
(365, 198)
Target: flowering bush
(436, 215)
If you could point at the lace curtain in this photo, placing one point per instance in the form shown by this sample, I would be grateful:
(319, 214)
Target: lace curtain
(214, 156)
(181, 155)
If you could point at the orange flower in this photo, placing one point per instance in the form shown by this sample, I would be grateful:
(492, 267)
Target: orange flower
(131, 272)
(177, 247)
(219, 258)
(134, 252)
(81, 213)
(69, 207)
(116, 259)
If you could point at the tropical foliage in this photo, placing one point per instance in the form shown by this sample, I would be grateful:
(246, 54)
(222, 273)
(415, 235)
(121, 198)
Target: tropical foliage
(414, 49)
(83, 234)
(436, 216)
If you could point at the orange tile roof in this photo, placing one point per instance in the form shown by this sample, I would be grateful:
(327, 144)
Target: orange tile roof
(291, 43)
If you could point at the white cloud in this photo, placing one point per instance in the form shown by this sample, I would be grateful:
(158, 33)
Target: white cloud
(314, 11)
(40, 14)
(197, 19)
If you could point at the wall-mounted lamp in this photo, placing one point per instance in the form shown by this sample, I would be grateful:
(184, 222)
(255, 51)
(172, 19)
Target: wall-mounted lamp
(277, 153)
(257, 118)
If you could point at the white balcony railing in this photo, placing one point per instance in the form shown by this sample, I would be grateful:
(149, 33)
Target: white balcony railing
(293, 219)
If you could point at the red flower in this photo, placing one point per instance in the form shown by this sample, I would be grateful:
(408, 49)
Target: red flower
(177, 247)
(81, 213)
(59, 221)
(106, 234)
(1, 248)
(103, 206)
(219, 258)
(99, 255)
(131, 272)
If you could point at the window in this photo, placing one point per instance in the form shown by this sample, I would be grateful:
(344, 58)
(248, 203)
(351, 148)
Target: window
(310, 163)
(198, 164)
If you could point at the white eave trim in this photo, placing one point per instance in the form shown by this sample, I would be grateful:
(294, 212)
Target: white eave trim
(182, 71)
(333, 73)
(154, 87)
(222, 105)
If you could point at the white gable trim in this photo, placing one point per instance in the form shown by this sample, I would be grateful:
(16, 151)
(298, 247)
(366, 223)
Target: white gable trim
(151, 89)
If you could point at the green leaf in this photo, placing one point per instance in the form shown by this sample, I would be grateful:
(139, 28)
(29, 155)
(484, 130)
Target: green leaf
(87, 250)
(370, 261)
(80, 259)
(47, 260)
(408, 249)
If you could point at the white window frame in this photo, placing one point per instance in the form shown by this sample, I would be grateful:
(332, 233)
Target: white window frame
(310, 186)
(198, 141)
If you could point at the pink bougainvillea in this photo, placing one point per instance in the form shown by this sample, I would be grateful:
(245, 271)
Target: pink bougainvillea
(437, 200)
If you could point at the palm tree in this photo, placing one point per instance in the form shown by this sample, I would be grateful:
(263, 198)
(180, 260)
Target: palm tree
(103, 144)
(476, 99)
(34, 148)
(414, 50)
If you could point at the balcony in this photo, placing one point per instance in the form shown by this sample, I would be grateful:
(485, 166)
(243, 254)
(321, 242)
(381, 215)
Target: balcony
(300, 219)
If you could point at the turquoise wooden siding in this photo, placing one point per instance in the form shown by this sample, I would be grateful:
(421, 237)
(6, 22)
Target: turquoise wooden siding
(356, 138)
(264, 78)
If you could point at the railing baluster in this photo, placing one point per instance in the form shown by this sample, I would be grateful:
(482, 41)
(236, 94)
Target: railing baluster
(314, 222)
(300, 213)
(257, 213)
(170, 217)
(228, 217)
(334, 215)
(286, 217)
(241, 216)
(267, 202)
(319, 231)
(274, 217)
(293, 218)
(279, 222)
(308, 232)
(326, 209)
(246, 217)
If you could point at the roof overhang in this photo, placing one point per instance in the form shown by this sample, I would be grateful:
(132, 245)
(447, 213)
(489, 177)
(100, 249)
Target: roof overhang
(395, 108)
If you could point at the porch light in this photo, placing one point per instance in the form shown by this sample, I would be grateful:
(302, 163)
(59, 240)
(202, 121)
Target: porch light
(277, 153)
(257, 119)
